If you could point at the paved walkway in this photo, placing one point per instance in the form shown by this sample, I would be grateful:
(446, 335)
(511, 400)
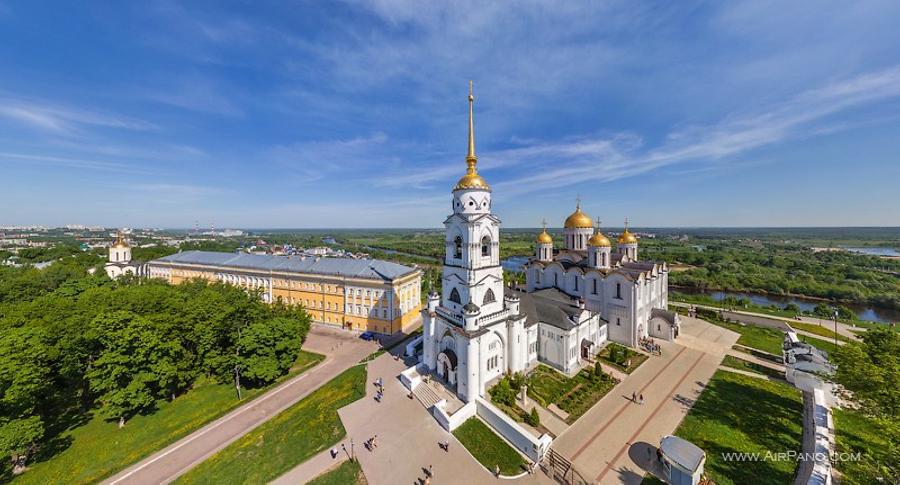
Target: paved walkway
(842, 328)
(610, 443)
(342, 349)
(408, 439)
(314, 467)
(756, 360)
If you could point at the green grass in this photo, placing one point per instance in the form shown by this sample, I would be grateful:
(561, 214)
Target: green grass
(762, 338)
(623, 356)
(288, 439)
(574, 395)
(347, 473)
(741, 364)
(818, 330)
(99, 448)
(737, 413)
(488, 448)
(856, 433)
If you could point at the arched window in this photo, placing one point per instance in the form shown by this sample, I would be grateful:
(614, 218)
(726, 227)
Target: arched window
(489, 297)
(454, 296)
(485, 246)
(619, 290)
(457, 248)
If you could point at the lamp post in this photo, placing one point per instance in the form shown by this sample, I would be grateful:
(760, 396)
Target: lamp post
(834, 317)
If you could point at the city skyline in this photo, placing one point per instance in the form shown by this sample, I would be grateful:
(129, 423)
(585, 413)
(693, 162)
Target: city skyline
(354, 115)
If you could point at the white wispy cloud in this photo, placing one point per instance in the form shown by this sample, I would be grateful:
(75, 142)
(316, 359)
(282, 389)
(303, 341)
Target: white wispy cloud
(61, 119)
(87, 164)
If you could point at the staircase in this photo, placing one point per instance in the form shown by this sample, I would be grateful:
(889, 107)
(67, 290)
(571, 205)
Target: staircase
(426, 395)
(560, 469)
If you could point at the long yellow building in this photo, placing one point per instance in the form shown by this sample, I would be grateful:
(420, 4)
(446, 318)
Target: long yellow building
(355, 294)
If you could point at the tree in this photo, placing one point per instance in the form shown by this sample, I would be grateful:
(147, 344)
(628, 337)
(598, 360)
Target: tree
(870, 371)
(267, 349)
(533, 418)
(123, 376)
(19, 439)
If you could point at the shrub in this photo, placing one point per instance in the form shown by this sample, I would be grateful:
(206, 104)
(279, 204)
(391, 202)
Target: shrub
(533, 418)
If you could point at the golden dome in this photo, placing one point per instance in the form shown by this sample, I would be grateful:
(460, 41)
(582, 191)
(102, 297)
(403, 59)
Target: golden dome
(627, 237)
(544, 238)
(471, 180)
(578, 220)
(598, 240)
(120, 241)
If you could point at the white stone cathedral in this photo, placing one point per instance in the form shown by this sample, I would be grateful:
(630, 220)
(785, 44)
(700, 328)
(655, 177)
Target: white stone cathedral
(120, 262)
(576, 298)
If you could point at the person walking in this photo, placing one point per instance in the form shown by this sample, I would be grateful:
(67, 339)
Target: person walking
(375, 441)
(641, 400)
(430, 472)
(633, 397)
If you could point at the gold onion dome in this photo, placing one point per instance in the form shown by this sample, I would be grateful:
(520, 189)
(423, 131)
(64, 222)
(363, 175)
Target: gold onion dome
(120, 241)
(578, 220)
(598, 240)
(471, 180)
(544, 238)
(627, 237)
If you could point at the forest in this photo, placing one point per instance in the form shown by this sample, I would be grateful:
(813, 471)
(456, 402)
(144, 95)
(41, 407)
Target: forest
(74, 344)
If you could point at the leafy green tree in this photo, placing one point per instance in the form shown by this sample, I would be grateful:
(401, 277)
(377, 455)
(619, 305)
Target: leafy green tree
(19, 439)
(123, 377)
(267, 349)
(24, 381)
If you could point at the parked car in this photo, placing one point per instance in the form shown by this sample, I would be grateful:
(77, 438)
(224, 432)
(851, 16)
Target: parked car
(367, 336)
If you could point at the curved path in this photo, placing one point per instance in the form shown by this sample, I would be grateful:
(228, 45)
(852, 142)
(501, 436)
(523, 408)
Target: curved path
(341, 350)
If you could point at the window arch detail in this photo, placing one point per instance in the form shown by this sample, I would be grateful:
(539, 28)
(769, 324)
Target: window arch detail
(485, 246)
(454, 296)
(489, 297)
(457, 247)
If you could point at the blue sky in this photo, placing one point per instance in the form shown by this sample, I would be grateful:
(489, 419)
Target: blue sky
(346, 114)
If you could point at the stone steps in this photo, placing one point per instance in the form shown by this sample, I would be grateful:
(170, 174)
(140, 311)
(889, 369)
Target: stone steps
(426, 395)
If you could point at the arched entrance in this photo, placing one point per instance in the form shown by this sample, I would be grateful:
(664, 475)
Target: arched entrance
(446, 366)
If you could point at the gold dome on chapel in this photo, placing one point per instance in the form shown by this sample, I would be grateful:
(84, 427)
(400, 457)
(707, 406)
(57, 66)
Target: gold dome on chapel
(471, 180)
(544, 238)
(578, 220)
(627, 237)
(120, 241)
(598, 240)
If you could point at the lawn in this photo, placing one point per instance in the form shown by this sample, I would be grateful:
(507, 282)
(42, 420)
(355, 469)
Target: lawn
(741, 364)
(347, 473)
(818, 330)
(762, 338)
(99, 448)
(288, 439)
(737, 413)
(856, 433)
(622, 358)
(488, 448)
(574, 395)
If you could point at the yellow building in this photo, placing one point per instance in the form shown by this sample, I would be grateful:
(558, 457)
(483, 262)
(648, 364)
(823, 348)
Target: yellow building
(357, 294)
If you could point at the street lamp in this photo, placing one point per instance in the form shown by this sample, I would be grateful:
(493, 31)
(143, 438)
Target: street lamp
(834, 317)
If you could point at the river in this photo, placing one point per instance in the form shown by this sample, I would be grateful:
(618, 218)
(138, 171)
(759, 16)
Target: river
(874, 251)
(863, 312)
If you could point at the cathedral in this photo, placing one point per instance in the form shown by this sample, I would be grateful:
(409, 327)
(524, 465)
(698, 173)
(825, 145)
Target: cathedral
(120, 262)
(576, 299)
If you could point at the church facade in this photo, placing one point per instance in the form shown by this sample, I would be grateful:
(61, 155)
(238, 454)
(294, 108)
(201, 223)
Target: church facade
(575, 300)
(119, 259)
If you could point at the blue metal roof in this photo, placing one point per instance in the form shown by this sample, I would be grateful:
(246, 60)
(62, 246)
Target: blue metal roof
(356, 268)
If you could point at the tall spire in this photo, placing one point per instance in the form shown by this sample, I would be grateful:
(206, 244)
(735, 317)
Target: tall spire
(471, 180)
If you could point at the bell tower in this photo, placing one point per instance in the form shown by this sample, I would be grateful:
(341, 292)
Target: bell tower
(472, 275)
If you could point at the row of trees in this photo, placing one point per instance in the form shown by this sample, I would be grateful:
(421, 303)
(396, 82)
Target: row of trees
(72, 344)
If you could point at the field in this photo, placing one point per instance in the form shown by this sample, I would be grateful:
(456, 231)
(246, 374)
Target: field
(99, 449)
(739, 413)
(573, 395)
(288, 439)
(488, 448)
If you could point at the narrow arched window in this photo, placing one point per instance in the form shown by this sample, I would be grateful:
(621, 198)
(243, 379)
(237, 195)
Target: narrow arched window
(619, 290)
(489, 297)
(454, 296)
(457, 248)
(485, 246)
